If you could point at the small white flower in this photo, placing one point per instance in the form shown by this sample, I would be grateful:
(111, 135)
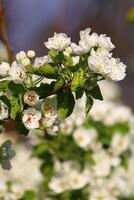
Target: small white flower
(120, 143)
(31, 53)
(48, 121)
(20, 56)
(77, 180)
(76, 60)
(102, 163)
(3, 111)
(31, 98)
(52, 130)
(31, 118)
(84, 137)
(25, 62)
(49, 107)
(40, 61)
(100, 62)
(4, 69)
(105, 42)
(58, 42)
(101, 194)
(17, 73)
(67, 126)
(58, 184)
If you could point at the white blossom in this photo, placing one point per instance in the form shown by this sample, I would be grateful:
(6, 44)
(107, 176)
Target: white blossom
(120, 143)
(4, 69)
(40, 61)
(102, 164)
(58, 42)
(104, 42)
(20, 56)
(31, 98)
(101, 62)
(84, 137)
(101, 194)
(3, 111)
(17, 73)
(77, 180)
(58, 184)
(31, 53)
(31, 118)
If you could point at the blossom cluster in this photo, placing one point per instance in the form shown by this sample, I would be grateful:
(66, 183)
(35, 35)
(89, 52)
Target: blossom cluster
(28, 85)
(90, 158)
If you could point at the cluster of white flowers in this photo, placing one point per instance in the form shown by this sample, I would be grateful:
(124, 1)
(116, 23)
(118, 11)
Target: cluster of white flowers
(68, 178)
(3, 111)
(110, 113)
(25, 174)
(100, 60)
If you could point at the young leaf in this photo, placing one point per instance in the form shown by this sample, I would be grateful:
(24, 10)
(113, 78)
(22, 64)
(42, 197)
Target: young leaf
(29, 195)
(16, 106)
(65, 103)
(96, 93)
(89, 103)
(78, 80)
(58, 84)
(48, 71)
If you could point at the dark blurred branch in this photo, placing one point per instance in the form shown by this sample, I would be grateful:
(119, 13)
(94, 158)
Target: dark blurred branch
(3, 32)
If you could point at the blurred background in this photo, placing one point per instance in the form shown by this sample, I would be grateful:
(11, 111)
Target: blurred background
(27, 24)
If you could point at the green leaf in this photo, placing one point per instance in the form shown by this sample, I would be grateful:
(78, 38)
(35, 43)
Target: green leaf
(4, 85)
(44, 89)
(5, 100)
(49, 71)
(79, 93)
(39, 150)
(53, 53)
(58, 84)
(96, 93)
(68, 61)
(89, 103)
(78, 80)
(21, 128)
(29, 195)
(16, 89)
(16, 106)
(65, 103)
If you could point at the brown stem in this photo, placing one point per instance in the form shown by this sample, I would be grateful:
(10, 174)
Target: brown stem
(67, 85)
(3, 31)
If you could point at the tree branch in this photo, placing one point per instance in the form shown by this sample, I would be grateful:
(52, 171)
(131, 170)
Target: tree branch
(67, 85)
(3, 31)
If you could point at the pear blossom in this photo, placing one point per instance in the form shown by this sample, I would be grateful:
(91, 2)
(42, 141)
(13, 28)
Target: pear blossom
(58, 183)
(58, 42)
(77, 180)
(76, 60)
(84, 137)
(31, 53)
(40, 61)
(120, 143)
(4, 69)
(31, 98)
(104, 42)
(102, 63)
(101, 194)
(4, 113)
(102, 164)
(20, 56)
(17, 72)
(31, 118)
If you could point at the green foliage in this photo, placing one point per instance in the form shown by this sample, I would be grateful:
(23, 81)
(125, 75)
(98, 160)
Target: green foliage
(29, 195)
(65, 103)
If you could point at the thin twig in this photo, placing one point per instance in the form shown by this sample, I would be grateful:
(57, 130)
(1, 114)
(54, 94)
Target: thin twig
(67, 85)
(3, 31)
